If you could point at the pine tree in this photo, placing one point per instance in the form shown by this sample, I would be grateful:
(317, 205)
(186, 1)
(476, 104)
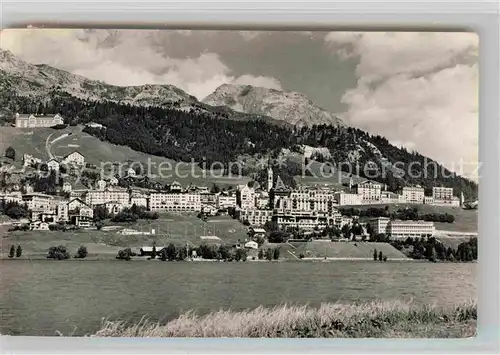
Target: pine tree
(380, 256)
(12, 251)
(375, 255)
(19, 251)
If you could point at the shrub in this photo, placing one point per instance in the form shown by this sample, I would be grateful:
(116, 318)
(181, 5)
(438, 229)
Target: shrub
(12, 251)
(276, 254)
(375, 255)
(19, 251)
(380, 256)
(124, 254)
(10, 153)
(81, 253)
(58, 253)
(301, 256)
(261, 254)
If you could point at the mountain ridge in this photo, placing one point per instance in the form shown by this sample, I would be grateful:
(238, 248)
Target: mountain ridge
(289, 106)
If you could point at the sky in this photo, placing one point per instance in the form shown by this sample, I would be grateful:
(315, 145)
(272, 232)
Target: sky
(418, 89)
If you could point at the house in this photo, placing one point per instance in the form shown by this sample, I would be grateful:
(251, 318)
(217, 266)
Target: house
(39, 226)
(209, 209)
(62, 211)
(131, 173)
(94, 125)
(53, 165)
(76, 204)
(258, 232)
(251, 245)
(175, 187)
(113, 181)
(148, 251)
(101, 184)
(74, 158)
(138, 199)
(30, 160)
(67, 187)
(82, 217)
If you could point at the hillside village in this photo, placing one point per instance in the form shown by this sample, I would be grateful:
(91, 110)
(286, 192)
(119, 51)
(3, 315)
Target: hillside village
(273, 206)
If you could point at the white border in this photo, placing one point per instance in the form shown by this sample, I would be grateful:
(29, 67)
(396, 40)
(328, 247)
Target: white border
(478, 16)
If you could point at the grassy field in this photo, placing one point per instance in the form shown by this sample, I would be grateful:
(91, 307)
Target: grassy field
(321, 249)
(169, 228)
(33, 141)
(370, 320)
(465, 220)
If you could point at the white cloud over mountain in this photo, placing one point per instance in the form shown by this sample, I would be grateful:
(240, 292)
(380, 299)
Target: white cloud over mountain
(124, 58)
(418, 88)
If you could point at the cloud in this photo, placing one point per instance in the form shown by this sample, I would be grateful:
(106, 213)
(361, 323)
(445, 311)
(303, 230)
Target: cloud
(125, 58)
(416, 87)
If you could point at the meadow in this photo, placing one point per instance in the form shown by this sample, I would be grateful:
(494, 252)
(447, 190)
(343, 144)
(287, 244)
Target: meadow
(378, 319)
(34, 142)
(44, 297)
(177, 229)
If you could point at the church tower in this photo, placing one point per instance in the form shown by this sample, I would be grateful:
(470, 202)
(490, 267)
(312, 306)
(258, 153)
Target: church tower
(270, 178)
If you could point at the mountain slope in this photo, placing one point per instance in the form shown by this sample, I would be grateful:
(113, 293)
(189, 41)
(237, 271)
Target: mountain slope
(39, 83)
(292, 107)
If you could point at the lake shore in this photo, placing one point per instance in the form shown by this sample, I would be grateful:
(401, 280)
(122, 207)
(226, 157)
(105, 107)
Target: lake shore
(379, 319)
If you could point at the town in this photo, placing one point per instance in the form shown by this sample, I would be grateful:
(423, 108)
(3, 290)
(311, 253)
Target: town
(303, 208)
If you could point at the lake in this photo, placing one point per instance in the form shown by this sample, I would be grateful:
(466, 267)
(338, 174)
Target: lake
(40, 297)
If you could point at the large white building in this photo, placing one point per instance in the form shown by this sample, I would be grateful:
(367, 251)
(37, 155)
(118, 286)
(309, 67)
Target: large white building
(225, 201)
(414, 229)
(442, 193)
(256, 217)
(307, 220)
(246, 197)
(379, 224)
(33, 121)
(413, 194)
(109, 194)
(175, 202)
(346, 199)
(369, 192)
(39, 202)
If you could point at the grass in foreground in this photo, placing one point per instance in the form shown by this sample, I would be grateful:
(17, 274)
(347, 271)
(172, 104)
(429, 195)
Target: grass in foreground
(371, 320)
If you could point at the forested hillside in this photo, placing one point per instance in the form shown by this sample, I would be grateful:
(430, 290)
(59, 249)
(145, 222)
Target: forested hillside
(187, 135)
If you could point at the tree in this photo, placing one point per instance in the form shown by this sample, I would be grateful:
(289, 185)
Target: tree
(100, 213)
(12, 251)
(153, 253)
(99, 225)
(261, 254)
(369, 229)
(181, 253)
(82, 252)
(171, 252)
(241, 254)
(380, 256)
(163, 254)
(346, 231)
(10, 153)
(19, 251)
(276, 254)
(375, 255)
(58, 253)
(269, 254)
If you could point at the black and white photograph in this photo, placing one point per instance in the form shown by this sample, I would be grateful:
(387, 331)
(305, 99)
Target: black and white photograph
(238, 184)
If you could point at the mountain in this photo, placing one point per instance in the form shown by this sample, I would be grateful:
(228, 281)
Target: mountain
(165, 121)
(40, 82)
(27, 79)
(292, 107)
